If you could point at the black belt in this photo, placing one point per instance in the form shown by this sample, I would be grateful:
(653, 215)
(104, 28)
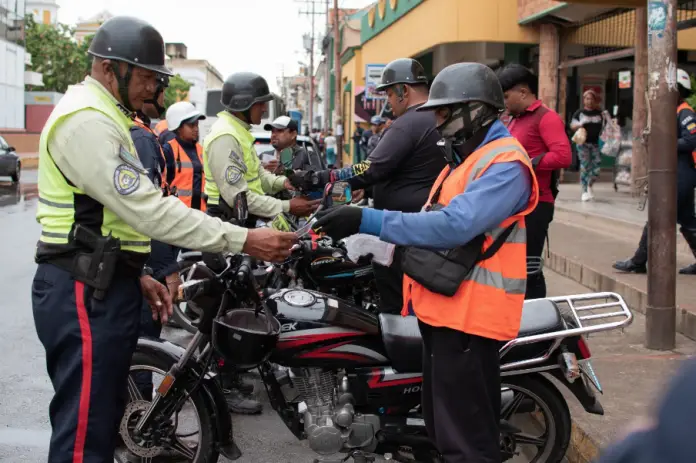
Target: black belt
(131, 266)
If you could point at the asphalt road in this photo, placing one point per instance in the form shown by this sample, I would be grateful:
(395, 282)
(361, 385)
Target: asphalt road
(25, 390)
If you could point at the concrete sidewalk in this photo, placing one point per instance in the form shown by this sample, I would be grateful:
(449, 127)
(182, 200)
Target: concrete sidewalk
(632, 377)
(587, 238)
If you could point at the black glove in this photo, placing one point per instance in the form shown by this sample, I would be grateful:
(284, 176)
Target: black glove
(339, 222)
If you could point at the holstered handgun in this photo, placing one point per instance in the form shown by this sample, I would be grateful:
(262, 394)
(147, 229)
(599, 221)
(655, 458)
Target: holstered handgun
(97, 267)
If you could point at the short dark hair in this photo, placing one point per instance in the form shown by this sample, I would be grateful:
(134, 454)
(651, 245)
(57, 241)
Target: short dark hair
(516, 74)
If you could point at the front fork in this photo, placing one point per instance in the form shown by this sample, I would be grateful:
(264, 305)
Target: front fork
(159, 406)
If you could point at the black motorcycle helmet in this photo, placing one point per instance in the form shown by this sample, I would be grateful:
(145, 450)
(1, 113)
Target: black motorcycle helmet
(402, 71)
(473, 97)
(245, 338)
(242, 90)
(133, 41)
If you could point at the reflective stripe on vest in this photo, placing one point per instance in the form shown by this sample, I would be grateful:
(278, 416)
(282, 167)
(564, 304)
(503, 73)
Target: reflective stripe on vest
(56, 208)
(489, 301)
(681, 107)
(229, 125)
(184, 174)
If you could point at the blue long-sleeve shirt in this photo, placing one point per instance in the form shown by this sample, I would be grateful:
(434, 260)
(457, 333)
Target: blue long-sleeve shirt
(500, 192)
(162, 255)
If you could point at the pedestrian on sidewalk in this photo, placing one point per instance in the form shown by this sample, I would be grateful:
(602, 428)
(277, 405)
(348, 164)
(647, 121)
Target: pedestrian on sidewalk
(686, 182)
(330, 143)
(590, 119)
(541, 132)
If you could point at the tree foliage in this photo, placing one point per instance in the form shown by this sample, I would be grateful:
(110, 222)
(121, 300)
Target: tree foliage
(56, 54)
(177, 91)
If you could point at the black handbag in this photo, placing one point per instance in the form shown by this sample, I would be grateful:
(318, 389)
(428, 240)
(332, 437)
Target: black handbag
(443, 272)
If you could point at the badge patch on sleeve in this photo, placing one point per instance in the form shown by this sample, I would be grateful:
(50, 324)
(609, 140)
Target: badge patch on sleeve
(131, 159)
(691, 127)
(234, 157)
(232, 175)
(126, 179)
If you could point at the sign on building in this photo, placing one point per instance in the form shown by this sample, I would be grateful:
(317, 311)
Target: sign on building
(624, 79)
(373, 75)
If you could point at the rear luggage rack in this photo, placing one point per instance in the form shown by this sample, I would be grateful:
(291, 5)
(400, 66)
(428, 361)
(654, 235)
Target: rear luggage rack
(583, 314)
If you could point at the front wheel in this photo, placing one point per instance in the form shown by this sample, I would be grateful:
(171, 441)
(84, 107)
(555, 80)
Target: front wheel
(535, 404)
(17, 173)
(168, 439)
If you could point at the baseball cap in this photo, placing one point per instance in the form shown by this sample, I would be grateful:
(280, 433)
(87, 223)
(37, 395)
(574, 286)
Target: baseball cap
(282, 122)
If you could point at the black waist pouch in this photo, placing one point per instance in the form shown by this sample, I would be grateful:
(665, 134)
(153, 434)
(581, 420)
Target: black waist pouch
(442, 272)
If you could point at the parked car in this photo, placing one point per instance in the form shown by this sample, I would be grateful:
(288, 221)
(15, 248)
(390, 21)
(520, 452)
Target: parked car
(263, 145)
(10, 165)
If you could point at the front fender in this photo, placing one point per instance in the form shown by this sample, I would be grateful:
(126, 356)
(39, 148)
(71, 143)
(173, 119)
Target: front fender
(170, 353)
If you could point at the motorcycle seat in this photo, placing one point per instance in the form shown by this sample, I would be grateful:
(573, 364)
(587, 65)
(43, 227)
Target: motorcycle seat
(403, 343)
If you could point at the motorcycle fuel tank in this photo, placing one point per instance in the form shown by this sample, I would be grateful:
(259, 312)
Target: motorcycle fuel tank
(318, 330)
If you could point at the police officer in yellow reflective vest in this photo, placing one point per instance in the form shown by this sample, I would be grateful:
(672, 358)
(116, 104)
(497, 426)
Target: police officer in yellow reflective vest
(98, 211)
(230, 160)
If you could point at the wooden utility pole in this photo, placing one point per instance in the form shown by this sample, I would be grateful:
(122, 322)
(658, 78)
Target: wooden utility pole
(660, 326)
(338, 115)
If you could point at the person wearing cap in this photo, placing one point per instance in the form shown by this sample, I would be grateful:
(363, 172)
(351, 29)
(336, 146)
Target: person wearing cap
(475, 213)
(404, 165)
(94, 196)
(184, 155)
(284, 137)
(377, 128)
(230, 161)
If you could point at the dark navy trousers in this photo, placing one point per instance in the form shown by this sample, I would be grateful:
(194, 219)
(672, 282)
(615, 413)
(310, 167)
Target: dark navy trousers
(89, 345)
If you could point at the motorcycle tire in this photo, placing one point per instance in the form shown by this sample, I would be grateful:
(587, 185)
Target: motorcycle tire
(207, 443)
(548, 395)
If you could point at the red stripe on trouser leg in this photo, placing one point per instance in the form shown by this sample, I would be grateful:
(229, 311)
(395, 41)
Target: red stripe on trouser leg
(85, 389)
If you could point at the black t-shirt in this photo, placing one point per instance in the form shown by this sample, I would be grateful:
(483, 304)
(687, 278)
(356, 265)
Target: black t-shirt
(405, 164)
(592, 122)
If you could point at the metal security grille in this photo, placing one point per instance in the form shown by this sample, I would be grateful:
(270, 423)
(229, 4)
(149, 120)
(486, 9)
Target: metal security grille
(686, 14)
(604, 33)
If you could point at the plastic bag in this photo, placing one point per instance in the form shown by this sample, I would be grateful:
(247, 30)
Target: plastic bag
(610, 136)
(580, 136)
(362, 245)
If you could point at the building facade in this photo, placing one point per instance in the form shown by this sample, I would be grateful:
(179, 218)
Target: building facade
(572, 45)
(13, 59)
(43, 11)
(202, 75)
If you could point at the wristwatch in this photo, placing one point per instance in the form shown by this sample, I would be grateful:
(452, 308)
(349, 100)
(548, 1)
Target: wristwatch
(147, 271)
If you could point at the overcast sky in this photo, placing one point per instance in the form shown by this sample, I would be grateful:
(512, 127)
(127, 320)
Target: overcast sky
(234, 35)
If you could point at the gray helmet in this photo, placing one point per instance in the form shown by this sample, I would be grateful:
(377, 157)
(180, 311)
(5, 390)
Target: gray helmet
(132, 41)
(465, 82)
(402, 71)
(242, 90)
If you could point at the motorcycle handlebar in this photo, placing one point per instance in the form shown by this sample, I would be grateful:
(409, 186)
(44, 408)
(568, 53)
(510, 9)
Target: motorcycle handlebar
(244, 270)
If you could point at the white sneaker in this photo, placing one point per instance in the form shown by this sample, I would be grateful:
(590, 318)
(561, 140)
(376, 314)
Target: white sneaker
(590, 192)
(586, 196)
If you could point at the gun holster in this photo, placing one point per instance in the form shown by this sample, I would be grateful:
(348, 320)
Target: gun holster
(96, 266)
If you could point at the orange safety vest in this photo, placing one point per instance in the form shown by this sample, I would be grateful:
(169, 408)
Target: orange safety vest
(489, 302)
(185, 173)
(160, 127)
(680, 108)
(164, 186)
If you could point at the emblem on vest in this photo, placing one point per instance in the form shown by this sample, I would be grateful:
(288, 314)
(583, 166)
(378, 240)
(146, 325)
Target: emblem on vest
(126, 179)
(232, 175)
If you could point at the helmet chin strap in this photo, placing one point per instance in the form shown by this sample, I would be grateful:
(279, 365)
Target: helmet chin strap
(123, 82)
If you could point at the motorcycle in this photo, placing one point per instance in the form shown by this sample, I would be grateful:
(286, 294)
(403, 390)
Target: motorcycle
(348, 381)
(322, 266)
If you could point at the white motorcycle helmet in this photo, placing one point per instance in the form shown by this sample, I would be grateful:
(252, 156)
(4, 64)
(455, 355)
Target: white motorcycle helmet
(180, 112)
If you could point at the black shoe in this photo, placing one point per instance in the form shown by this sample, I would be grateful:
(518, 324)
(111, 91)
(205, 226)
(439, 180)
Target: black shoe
(630, 266)
(243, 384)
(241, 403)
(690, 270)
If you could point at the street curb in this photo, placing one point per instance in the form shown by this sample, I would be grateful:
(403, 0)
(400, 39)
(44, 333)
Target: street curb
(635, 298)
(582, 448)
(29, 162)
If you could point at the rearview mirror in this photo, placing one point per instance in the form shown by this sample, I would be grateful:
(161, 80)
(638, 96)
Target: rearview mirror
(339, 193)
